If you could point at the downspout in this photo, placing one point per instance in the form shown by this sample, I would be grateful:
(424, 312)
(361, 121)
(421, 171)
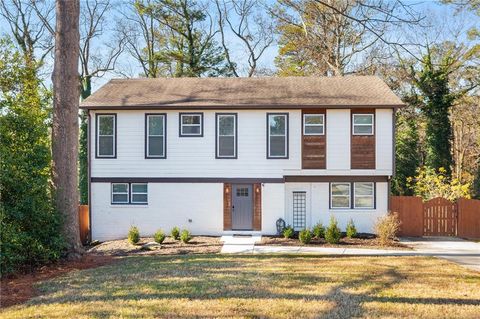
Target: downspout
(89, 167)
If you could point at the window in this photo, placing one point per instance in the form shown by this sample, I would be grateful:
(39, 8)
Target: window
(106, 139)
(277, 132)
(226, 142)
(242, 192)
(313, 124)
(191, 124)
(362, 124)
(340, 195)
(129, 193)
(363, 195)
(139, 193)
(155, 136)
(120, 193)
(299, 210)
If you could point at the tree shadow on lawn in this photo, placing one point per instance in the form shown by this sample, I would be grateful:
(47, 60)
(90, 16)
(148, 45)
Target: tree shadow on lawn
(211, 277)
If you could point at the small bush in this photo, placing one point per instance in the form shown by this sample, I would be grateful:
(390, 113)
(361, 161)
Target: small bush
(133, 235)
(386, 228)
(319, 231)
(305, 236)
(175, 233)
(351, 229)
(288, 232)
(185, 236)
(333, 233)
(159, 236)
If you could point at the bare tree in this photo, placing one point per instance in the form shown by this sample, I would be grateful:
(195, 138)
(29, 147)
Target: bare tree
(245, 19)
(65, 122)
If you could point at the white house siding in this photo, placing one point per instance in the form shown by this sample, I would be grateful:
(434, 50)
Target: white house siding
(383, 140)
(338, 139)
(318, 206)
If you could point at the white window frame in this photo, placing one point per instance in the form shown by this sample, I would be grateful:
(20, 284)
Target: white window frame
(310, 125)
(138, 193)
(370, 196)
(371, 125)
(113, 136)
(217, 133)
(349, 195)
(164, 135)
(122, 193)
(269, 135)
(200, 125)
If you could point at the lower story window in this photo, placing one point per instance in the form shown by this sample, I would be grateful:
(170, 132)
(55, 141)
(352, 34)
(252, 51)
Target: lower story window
(340, 195)
(364, 195)
(299, 210)
(129, 193)
(360, 195)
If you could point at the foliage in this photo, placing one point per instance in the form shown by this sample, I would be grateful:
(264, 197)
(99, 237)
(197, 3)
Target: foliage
(351, 229)
(159, 236)
(175, 233)
(305, 236)
(333, 233)
(133, 235)
(386, 227)
(30, 227)
(318, 231)
(185, 236)
(288, 232)
(429, 184)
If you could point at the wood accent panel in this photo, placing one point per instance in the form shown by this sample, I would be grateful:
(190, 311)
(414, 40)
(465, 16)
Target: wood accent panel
(362, 147)
(227, 206)
(468, 218)
(314, 147)
(257, 206)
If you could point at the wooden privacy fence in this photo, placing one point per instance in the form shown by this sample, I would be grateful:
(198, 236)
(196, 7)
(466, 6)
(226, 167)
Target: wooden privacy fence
(437, 217)
(84, 223)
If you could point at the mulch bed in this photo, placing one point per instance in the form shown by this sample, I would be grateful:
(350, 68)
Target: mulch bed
(361, 241)
(19, 288)
(198, 245)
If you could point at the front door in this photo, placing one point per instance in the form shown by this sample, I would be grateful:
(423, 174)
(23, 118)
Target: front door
(242, 207)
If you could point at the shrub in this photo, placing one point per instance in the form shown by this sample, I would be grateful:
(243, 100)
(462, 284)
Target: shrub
(319, 231)
(133, 235)
(386, 228)
(305, 236)
(333, 233)
(159, 236)
(175, 233)
(351, 229)
(185, 236)
(288, 232)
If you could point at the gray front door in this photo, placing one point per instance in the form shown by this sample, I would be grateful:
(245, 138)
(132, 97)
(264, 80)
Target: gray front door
(242, 207)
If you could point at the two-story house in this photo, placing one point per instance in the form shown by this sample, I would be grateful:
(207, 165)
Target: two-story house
(223, 155)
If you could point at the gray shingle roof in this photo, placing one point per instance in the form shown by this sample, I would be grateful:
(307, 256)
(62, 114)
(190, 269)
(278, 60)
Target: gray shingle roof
(237, 93)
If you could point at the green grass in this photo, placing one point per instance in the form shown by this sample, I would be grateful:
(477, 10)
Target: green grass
(260, 286)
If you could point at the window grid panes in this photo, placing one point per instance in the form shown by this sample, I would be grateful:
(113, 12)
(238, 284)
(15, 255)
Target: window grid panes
(120, 193)
(277, 135)
(191, 124)
(299, 210)
(242, 192)
(156, 136)
(364, 195)
(106, 136)
(313, 124)
(226, 135)
(340, 195)
(362, 124)
(139, 193)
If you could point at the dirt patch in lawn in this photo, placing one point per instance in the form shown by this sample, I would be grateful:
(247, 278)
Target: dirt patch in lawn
(362, 241)
(18, 288)
(147, 246)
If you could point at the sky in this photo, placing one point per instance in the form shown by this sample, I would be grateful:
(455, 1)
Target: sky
(444, 17)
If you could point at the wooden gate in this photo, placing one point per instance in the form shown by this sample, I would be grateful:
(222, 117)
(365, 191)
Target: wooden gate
(439, 217)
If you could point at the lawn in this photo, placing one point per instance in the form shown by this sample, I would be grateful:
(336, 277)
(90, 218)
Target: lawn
(260, 286)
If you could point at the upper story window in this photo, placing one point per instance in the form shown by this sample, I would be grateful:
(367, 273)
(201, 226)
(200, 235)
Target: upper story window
(362, 124)
(226, 139)
(277, 135)
(191, 124)
(106, 135)
(313, 124)
(340, 195)
(155, 139)
(363, 195)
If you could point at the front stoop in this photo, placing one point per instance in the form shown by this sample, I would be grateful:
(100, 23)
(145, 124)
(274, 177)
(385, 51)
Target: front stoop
(234, 244)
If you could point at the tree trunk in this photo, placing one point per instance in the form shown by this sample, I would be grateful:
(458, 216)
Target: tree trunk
(65, 122)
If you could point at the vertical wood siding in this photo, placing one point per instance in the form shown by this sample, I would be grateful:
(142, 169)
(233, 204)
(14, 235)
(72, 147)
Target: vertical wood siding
(227, 206)
(257, 206)
(314, 147)
(363, 146)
